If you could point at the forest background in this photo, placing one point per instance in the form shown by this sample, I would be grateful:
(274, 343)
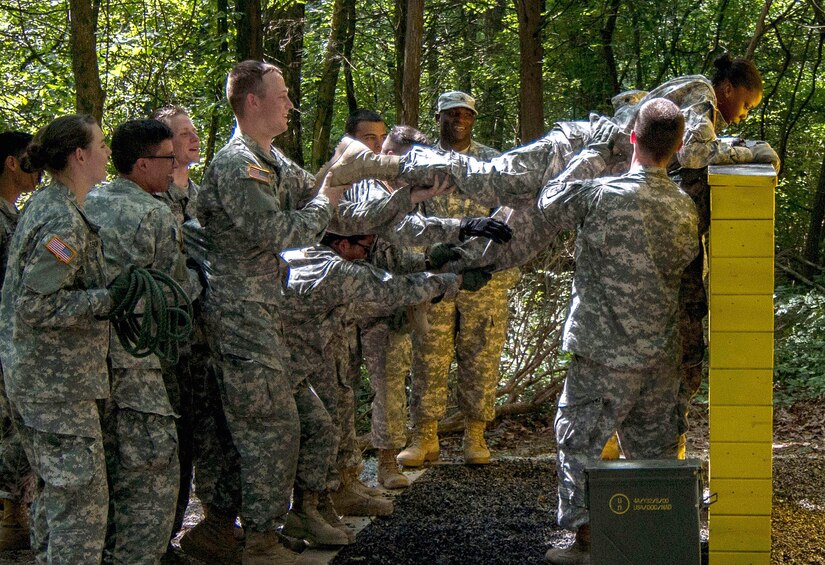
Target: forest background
(529, 63)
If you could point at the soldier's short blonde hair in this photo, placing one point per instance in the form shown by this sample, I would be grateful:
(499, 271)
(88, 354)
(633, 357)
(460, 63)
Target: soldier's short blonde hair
(247, 77)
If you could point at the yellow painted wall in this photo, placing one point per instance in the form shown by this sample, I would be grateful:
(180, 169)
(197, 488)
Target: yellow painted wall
(740, 262)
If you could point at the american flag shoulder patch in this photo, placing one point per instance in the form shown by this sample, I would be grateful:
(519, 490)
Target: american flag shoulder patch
(59, 249)
(257, 173)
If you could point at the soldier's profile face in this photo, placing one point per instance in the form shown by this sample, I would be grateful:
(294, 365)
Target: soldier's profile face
(734, 102)
(371, 134)
(158, 169)
(275, 104)
(185, 140)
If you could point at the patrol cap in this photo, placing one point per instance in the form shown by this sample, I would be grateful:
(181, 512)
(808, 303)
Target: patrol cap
(456, 99)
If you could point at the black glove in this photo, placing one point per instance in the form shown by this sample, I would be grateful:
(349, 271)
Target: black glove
(485, 227)
(475, 279)
(119, 287)
(440, 254)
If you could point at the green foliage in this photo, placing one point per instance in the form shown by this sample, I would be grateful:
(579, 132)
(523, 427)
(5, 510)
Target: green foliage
(800, 344)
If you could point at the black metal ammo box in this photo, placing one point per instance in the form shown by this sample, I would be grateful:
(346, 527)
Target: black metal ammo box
(644, 512)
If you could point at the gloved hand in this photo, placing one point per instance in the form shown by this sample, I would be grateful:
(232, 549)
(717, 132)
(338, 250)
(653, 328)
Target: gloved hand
(603, 134)
(485, 227)
(475, 279)
(763, 153)
(440, 254)
(119, 287)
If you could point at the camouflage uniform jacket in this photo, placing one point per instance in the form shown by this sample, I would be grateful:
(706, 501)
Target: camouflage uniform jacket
(254, 203)
(53, 336)
(8, 221)
(695, 96)
(323, 292)
(182, 202)
(138, 230)
(635, 234)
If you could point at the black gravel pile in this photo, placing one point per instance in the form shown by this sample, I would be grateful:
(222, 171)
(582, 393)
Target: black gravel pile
(498, 513)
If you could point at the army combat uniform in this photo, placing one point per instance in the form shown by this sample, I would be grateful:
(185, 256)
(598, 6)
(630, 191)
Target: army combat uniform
(473, 328)
(323, 293)
(15, 471)
(138, 422)
(635, 234)
(54, 343)
(253, 203)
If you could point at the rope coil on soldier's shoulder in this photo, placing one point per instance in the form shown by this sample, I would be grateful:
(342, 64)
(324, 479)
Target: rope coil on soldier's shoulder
(165, 321)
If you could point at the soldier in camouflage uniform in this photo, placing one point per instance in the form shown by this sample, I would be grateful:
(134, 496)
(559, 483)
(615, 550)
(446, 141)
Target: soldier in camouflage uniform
(191, 382)
(635, 234)
(16, 478)
(253, 203)
(472, 328)
(327, 286)
(54, 337)
(139, 421)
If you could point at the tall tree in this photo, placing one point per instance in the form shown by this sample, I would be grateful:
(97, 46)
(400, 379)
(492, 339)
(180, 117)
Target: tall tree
(222, 28)
(410, 93)
(284, 44)
(89, 95)
(399, 23)
(250, 44)
(531, 107)
(328, 82)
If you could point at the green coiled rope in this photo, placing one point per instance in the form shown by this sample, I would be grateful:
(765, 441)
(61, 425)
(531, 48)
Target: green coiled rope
(165, 321)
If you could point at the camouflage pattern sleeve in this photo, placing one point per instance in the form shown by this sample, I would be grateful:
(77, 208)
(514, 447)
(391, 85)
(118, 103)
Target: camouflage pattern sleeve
(369, 207)
(566, 204)
(417, 229)
(169, 256)
(49, 294)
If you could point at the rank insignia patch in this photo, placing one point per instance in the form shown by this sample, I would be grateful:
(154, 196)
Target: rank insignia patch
(63, 252)
(258, 174)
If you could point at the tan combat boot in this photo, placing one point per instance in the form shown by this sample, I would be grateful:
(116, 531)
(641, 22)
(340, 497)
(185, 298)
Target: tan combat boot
(576, 554)
(424, 445)
(305, 522)
(330, 514)
(14, 528)
(353, 161)
(352, 499)
(265, 548)
(388, 474)
(213, 539)
(611, 451)
(475, 448)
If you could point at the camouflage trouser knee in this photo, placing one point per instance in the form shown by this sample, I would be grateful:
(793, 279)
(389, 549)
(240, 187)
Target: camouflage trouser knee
(144, 474)
(71, 504)
(474, 327)
(263, 420)
(318, 440)
(598, 401)
(388, 356)
(16, 477)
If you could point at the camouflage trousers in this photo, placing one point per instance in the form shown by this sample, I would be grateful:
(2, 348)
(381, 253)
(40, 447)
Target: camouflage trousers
(16, 477)
(333, 383)
(68, 513)
(388, 356)
(267, 428)
(144, 474)
(598, 401)
(473, 327)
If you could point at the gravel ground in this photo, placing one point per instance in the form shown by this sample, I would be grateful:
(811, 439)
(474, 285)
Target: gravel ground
(502, 513)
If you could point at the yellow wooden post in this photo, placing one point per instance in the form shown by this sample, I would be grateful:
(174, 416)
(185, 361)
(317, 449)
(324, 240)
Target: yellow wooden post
(740, 258)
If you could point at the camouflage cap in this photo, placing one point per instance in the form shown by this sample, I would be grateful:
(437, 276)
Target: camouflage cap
(456, 99)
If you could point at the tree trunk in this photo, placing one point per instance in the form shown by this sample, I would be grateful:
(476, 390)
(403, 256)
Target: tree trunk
(89, 95)
(349, 43)
(250, 33)
(284, 45)
(607, 44)
(411, 91)
(531, 106)
(328, 83)
(222, 27)
(758, 31)
(400, 25)
(814, 240)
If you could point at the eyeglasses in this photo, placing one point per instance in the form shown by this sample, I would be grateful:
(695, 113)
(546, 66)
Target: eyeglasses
(368, 249)
(171, 158)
